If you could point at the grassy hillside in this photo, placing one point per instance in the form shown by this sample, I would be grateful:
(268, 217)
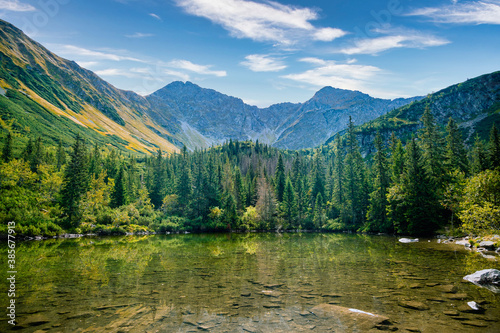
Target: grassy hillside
(45, 95)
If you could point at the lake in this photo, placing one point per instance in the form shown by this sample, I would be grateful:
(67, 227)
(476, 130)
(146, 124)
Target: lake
(246, 283)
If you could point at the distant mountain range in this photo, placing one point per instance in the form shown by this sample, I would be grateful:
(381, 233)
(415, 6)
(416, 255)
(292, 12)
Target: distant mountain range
(43, 94)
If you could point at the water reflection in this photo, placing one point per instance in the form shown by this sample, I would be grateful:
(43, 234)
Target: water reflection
(256, 282)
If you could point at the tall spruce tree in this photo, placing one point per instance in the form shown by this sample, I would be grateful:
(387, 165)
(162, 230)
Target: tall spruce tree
(397, 159)
(377, 212)
(119, 195)
(76, 182)
(432, 150)
(478, 160)
(456, 157)
(157, 192)
(288, 207)
(415, 202)
(279, 179)
(354, 175)
(338, 178)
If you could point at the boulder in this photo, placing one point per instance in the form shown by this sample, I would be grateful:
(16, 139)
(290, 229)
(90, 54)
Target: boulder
(463, 242)
(489, 245)
(349, 320)
(487, 278)
(408, 240)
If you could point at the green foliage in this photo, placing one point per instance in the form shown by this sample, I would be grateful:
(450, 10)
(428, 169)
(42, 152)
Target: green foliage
(76, 183)
(480, 204)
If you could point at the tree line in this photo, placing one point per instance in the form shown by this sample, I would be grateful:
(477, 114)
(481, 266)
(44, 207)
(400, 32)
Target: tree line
(430, 183)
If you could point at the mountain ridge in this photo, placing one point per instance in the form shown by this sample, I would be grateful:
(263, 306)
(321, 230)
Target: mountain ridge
(50, 93)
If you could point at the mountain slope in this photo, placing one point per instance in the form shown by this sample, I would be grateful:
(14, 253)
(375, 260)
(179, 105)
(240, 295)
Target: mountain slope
(204, 116)
(474, 104)
(42, 91)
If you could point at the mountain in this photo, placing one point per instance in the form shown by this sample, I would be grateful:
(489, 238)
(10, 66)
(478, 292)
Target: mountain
(204, 116)
(473, 104)
(44, 95)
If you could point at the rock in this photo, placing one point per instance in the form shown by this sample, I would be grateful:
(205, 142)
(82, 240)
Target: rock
(463, 242)
(35, 320)
(271, 293)
(487, 278)
(474, 323)
(349, 320)
(489, 245)
(448, 288)
(415, 286)
(471, 307)
(408, 240)
(414, 305)
(474, 306)
(457, 296)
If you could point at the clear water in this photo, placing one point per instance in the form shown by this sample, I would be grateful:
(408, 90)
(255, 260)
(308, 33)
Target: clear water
(243, 283)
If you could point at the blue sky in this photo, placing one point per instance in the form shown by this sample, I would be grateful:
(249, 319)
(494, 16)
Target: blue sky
(268, 52)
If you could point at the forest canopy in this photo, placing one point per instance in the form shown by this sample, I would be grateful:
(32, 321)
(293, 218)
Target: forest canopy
(430, 184)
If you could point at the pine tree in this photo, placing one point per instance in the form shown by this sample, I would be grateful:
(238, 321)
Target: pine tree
(377, 211)
(76, 182)
(288, 207)
(239, 191)
(338, 178)
(319, 216)
(478, 160)
(184, 187)
(494, 148)
(318, 178)
(28, 151)
(7, 153)
(38, 155)
(397, 159)
(433, 152)
(157, 192)
(456, 158)
(355, 187)
(119, 196)
(414, 204)
(95, 163)
(279, 179)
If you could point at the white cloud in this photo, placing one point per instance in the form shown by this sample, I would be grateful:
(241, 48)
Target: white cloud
(472, 12)
(328, 34)
(338, 75)
(263, 63)
(261, 21)
(380, 44)
(82, 52)
(16, 6)
(199, 69)
(87, 64)
(115, 72)
(139, 35)
(155, 16)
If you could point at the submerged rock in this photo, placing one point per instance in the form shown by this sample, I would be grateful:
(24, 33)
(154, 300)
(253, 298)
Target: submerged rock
(487, 278)
(349, 320)
(414, 305)
(408, 240)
